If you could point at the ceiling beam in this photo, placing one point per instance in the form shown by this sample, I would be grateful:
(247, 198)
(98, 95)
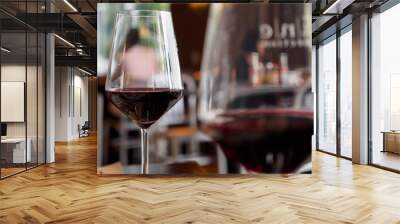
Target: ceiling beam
(84, 24)
(78, 61)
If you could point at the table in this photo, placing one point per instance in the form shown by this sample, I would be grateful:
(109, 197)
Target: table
(15, 148)
(391, 141)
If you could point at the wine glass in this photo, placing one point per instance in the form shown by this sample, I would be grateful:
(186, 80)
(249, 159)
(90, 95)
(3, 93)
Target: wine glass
(144, 79)
(255, 86)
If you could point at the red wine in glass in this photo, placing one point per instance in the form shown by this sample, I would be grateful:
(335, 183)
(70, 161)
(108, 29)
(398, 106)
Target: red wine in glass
(248, 136)
(148, 60)
(144, 105)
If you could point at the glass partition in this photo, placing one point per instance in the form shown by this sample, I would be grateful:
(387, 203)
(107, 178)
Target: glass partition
(22, 88)
(14, 150)
(327, 96)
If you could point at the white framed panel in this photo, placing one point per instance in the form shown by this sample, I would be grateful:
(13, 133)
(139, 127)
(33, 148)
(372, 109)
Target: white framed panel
(12, 101)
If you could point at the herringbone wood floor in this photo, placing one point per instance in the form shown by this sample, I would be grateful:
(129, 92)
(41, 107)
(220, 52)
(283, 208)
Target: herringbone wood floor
(70, 191)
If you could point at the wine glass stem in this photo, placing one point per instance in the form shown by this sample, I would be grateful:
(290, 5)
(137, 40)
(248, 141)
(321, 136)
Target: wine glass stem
(145, 152)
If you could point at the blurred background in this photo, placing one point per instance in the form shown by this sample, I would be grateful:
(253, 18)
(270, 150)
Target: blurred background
(273, 58)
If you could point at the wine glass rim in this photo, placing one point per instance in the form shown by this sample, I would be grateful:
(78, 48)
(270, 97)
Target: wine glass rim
(143, 13)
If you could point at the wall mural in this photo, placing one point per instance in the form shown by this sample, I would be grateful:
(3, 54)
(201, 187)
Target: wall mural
(247, 110)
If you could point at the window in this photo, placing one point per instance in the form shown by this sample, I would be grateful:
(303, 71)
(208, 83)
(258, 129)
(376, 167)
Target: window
(385, 89)
(346, 93)
(327, 96)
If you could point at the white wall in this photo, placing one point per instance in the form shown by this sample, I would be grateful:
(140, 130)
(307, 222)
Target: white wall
(71, 94)
(61, 103)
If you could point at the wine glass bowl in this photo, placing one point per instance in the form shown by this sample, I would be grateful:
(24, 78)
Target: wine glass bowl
(144, 79)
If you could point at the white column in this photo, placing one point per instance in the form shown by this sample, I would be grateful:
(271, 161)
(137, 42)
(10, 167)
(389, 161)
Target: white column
(50, 92)
(50, 99)
(360, 90)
